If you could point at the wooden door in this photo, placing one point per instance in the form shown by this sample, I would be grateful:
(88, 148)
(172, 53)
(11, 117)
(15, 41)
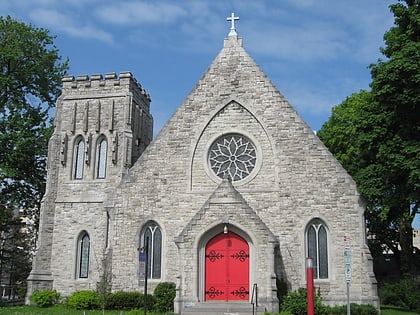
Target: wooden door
(227, 268)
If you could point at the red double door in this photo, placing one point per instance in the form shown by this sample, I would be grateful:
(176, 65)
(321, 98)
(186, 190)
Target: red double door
(227, 268)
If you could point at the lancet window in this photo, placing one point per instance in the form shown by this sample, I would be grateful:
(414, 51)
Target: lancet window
(152, 236)
(101, 153)
(79, 158)
(317, 247)
(83, 255)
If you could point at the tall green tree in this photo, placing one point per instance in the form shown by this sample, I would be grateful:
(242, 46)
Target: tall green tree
(376, 136)
(30, 79)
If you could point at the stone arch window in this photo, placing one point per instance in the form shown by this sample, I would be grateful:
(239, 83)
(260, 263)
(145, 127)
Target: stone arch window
(152, 236)
(79, 157)
(83, 252)
(101, 157)
(317, 247)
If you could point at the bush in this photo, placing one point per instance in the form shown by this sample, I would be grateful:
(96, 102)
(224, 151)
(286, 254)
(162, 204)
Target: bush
(124, 300)
(295, 303)
(45, 298)
(164, 294)
(84, 300)
(150, 300)
(355, 309)
(128, 300)
(404, 293)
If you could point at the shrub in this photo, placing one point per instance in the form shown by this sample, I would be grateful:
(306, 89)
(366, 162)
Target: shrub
(124, 300)
(295, 303)
(150, 300)
(128, 300)
(83, 300)
(355, 309)
(404, 293)
(45, 298)
(164, 294)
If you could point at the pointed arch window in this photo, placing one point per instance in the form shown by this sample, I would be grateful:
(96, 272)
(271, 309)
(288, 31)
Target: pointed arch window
(317, 247)
(101, 153)
(152, 236)
(83, 255)
(79, 158)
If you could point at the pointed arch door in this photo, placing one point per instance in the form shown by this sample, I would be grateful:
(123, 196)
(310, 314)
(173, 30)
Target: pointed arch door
(227, 268)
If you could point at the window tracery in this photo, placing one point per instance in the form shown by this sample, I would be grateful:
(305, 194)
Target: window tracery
(152, 236)
(101, 151)
(232, 156)
(83, 253)
(317, 247)
(79, 157)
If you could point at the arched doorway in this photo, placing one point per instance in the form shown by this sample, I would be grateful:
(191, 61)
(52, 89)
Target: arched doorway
(227, 268)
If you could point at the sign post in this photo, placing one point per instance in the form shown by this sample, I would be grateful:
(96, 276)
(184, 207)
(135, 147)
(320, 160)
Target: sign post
(143, 268)
(310, 286)
(347, 268)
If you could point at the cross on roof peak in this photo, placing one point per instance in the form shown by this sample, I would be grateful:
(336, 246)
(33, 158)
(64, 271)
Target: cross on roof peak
(232, 19)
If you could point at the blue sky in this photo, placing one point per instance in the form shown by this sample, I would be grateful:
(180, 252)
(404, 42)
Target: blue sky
(316, 52)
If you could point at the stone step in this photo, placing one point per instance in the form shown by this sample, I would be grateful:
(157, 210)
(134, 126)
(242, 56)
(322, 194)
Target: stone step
(222, 308)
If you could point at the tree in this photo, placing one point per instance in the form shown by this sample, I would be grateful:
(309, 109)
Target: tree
(375, 135)
(30, 80)
(396, 87)
(352, 134)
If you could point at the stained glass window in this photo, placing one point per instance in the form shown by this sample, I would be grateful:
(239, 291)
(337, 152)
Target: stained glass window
(84, 256)
(232, 156)
(79, 158)
(153, 235)
(101, 152)
(317, 248)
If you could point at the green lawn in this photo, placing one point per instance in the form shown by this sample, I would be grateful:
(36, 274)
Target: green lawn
(393, 311)
(62, 310)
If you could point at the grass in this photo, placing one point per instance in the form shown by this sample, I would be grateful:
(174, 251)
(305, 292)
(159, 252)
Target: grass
(385, 310)
(61, 310)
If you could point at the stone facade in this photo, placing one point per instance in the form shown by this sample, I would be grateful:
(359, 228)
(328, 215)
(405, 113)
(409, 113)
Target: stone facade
(293, 184)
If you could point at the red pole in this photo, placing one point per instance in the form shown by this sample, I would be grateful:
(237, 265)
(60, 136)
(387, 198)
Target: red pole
(310, 286)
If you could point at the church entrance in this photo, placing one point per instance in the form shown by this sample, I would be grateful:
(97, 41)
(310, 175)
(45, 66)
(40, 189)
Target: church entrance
(227, 268)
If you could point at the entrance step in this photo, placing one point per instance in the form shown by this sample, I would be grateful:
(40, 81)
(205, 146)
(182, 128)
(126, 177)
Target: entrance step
(222, 308)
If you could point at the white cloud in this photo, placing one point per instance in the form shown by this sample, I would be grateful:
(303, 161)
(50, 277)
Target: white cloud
(71, 25)
(318, 41)
(129, 13)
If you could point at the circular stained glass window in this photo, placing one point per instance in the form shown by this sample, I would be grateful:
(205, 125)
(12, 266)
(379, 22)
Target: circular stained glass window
(232, 156)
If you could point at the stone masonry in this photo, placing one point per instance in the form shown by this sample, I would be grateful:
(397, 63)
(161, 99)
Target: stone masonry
(169, 181)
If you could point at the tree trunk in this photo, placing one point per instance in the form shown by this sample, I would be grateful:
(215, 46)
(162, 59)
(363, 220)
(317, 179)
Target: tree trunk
(406, 243)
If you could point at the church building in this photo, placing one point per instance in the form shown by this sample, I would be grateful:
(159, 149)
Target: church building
(229, 199)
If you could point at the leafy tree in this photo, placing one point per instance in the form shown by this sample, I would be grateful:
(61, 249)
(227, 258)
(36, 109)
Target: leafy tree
(30, 81)
(396, 87)
(375, 135)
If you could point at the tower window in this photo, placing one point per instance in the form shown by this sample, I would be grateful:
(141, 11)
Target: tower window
(79, 158)
(317, 247)
(101, 151)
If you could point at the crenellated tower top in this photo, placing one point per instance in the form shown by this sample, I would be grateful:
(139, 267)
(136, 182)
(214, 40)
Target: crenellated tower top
(111, 108)
(109, 83)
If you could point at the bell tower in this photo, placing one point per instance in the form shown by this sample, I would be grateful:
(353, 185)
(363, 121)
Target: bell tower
(102, 126)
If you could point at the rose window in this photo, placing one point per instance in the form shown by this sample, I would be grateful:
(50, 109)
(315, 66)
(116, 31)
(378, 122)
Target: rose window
(232, 156)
